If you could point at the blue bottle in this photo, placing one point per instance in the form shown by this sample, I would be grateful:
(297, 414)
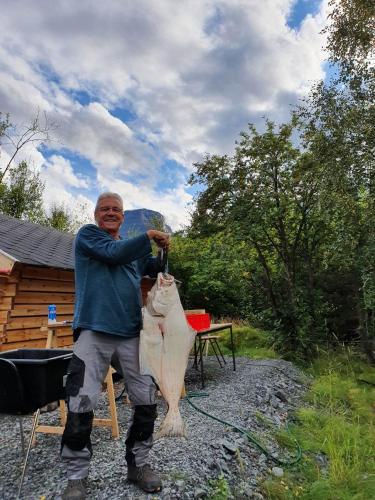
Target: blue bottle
(52, 313)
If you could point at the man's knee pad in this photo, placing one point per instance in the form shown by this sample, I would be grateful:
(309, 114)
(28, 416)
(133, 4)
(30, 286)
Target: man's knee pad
(143, 424)
(77, 430)
(76, 376)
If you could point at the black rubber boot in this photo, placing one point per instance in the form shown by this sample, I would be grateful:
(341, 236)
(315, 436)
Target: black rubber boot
(145, 478)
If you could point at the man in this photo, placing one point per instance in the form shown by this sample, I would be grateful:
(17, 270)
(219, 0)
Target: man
(107, 322)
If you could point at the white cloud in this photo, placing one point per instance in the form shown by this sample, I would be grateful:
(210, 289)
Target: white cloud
(194, 73)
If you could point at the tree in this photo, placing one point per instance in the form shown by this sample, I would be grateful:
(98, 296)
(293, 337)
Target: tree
(267, 197)
(15, 138)
(59, 218)
(339, 130)
(351, 38)
(22, 196)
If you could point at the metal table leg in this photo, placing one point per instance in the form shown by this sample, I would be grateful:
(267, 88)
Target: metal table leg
(232, 347)
(201, 360)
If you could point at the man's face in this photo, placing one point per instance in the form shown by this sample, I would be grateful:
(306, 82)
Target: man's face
(109, 215)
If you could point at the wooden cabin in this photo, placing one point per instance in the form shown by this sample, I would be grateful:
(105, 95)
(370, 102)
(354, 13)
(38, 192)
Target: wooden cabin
(36, 269)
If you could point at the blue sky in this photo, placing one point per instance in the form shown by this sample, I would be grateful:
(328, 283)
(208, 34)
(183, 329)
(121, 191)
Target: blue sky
(140, 91)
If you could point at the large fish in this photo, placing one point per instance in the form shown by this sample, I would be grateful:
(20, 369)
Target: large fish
(165, 342)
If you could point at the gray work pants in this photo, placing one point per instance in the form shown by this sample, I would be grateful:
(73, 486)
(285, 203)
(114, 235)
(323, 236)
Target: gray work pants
(92, 355)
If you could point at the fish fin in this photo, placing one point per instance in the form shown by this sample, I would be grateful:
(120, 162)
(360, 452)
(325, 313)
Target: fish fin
(172, 425)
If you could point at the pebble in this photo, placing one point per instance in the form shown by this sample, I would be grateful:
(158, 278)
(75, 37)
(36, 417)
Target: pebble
(187, 466)
(230, 447)
(277, 471)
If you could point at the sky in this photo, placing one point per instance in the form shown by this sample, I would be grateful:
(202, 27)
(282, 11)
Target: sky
(139, 91)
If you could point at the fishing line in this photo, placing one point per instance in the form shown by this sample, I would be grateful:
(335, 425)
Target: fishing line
(246, 433)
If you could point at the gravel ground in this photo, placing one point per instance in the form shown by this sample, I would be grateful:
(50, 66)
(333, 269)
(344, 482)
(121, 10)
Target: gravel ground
(269, 387)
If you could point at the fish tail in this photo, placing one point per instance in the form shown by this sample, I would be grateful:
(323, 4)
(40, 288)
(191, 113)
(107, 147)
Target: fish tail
(172, 426)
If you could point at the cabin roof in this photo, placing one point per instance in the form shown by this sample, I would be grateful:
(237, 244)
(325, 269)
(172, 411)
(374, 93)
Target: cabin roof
(34, 244)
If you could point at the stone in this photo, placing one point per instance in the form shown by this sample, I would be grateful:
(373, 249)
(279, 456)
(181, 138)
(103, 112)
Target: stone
(277, 471)
(199, 493)
(281, 395)
(230, 447)
(274, 402)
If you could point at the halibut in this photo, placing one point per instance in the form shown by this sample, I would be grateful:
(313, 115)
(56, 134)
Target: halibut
(165, 343)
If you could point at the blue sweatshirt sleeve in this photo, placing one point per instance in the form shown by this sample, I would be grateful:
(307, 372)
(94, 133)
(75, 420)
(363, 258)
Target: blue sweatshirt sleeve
(96, 243)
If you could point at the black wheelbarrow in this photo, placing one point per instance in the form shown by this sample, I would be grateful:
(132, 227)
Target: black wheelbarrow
(29, 380)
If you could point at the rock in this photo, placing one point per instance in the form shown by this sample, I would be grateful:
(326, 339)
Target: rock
(262, 458)
(268, 396)
(274, 402)
(199, 493)
(180, 484)
(277, 471)
(281, 395)
(230, 447)
(211, 464)
(321, 459)
(248, 492)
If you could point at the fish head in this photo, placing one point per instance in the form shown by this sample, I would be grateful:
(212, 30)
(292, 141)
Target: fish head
(163, 295)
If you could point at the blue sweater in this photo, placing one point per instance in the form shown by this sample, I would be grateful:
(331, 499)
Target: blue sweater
(108, 273)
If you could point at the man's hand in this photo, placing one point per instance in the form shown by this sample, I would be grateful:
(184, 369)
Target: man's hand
(161, 239)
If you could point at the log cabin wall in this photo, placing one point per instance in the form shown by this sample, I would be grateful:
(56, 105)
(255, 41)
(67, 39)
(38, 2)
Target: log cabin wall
(24, 298)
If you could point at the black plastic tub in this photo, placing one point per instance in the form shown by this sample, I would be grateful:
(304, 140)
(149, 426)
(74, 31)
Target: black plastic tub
(31, 378)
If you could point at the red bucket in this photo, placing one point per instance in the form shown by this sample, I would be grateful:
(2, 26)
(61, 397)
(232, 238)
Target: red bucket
(199, 321)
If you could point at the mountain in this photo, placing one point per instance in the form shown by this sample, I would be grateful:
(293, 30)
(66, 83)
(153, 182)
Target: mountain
(140, 220)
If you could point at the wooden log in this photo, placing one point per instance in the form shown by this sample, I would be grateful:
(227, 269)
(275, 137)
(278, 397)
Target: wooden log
(45, 285)
(14, 277)
(6, 303)
(47, 273)
(38, 310)
(9, 290)
(32, 322)
(36, 344)
(35, 334)
(3, 317)
(43, 298)
(2, 335)
(25, 334)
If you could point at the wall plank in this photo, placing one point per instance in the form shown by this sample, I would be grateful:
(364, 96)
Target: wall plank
(43, 298)
(32, 322)
(45, 285)
(6, 303)
(47, 273)
(36, 334)
(38, 310)
(9, 290)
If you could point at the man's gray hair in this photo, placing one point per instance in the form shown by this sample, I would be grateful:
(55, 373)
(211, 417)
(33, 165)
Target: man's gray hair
(108, 194)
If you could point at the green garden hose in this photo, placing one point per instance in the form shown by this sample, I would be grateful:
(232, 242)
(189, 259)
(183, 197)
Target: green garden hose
(246, 433)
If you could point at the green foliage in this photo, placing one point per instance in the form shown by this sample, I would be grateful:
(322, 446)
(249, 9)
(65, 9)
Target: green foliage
(4, 123)
(297, 204)
(213, 272)
(59, 218)
(248, 341)
(351, 35)
(336, 432)
(219, 489)
(21, 196)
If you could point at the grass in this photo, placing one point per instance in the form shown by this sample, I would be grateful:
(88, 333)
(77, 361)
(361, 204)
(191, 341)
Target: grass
(337, 433)
(335, 427)
(248, 341)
